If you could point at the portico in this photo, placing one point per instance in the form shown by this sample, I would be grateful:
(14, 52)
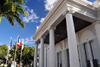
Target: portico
(66, 20)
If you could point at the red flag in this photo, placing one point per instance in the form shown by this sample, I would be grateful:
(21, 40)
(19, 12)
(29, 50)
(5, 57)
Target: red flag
(19, 43)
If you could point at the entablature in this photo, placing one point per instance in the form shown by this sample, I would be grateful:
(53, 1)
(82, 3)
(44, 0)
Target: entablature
(55, 16)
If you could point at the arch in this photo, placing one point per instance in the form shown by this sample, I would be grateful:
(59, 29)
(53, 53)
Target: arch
(58, 47)
(87, 35)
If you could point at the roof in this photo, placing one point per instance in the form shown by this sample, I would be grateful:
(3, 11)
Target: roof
(58, 4)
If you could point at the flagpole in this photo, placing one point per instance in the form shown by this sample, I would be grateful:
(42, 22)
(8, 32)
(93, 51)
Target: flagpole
(20, 57)
(8, 50)
(21, 54)
(7, 56)
(15, 52)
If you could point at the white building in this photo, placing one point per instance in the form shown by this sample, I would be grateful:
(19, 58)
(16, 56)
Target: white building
(69, 35)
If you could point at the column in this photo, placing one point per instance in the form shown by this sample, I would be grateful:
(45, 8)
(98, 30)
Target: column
(41, 52)
(72, 43)
(52, 48)
(35, 57)
(97, 28)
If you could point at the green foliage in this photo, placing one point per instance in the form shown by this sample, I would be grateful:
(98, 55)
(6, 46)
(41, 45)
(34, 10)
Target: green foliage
(3, 51)
(0, 19)
(21, 10)
(11, 10)
(27, 54)
(2, 66)
(19, 1)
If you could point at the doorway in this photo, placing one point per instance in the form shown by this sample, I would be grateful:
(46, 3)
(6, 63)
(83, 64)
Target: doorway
(59, 59)
(89, 54)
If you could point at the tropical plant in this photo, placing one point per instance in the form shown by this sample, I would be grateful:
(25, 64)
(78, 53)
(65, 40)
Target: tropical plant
(27, 54)
(3, 53)
(11, 10)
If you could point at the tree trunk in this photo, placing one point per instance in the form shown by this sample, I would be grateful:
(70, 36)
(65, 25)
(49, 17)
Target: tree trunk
(26, 65)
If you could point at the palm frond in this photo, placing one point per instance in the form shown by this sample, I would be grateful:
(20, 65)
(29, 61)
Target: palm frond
(10, 10)
(16, 16)
(20, 22)
(21, 10)
(0, 18)
(19, 1)
(8, 7)
(10, 19)
(2, 2)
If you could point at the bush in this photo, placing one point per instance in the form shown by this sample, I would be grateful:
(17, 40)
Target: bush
(2, 66)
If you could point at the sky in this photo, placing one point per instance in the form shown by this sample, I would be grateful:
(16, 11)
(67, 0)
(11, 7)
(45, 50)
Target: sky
(36, 10)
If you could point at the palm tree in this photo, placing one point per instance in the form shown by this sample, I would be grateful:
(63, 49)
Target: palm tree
(11, 10)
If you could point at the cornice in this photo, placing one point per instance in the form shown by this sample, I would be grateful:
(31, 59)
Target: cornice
(56, 6)
(51, 12)
(85, 4)
(74, 9)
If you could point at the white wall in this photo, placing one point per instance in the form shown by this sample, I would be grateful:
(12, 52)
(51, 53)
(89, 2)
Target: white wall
(82, 36)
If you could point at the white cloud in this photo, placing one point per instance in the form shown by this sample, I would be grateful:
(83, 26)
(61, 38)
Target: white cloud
(1, 43)
(48, 3)
(32, 17)
(27, 0)
(25, 19)
(40, 21)
(27, 40)
(24, 6)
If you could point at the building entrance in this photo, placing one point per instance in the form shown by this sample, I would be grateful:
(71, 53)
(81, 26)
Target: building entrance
(59, 59)
(89, 53)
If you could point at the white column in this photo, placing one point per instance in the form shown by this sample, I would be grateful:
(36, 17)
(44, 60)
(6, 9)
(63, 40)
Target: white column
(35, 57)
(41, 52)
(72, 43)
(97, 28)
(52, 48)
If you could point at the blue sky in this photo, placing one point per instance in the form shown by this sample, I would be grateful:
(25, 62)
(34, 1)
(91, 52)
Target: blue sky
(36, 10)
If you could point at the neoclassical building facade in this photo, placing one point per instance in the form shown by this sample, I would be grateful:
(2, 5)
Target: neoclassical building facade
(69, 36)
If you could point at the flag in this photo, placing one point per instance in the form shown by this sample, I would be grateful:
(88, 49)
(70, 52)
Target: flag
(22, 44)
(9, 47)
(19, 43)
(10, 42)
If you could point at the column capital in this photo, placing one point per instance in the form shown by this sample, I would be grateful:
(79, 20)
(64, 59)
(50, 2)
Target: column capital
(98, 21)
(36, 42)
(42, 37)
(51, 28)
(68, 10)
